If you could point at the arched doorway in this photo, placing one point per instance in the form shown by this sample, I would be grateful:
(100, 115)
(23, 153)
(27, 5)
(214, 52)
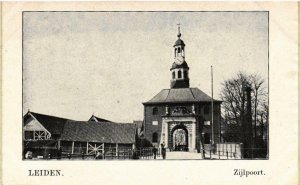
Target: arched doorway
(179, 138)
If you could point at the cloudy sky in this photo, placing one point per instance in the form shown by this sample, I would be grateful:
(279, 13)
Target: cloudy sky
(108, 63)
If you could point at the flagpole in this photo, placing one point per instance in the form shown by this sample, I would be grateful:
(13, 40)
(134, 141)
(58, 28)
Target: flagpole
(212, 107)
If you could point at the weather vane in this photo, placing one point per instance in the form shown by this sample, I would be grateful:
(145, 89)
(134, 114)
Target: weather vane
(179, 34)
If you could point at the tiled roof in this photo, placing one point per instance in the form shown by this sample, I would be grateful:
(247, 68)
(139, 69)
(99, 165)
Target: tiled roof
(53, 124)
(180, 95)
(106, 132)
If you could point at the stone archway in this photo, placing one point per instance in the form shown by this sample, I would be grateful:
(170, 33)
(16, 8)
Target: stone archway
(169, 125)
(179, 140)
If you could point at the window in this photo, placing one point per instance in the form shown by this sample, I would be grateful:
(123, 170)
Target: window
(179, 74)
(185, 74)
(155, 111)
(206, 110)
(178, 50)
(154, 122)
(173, 75)
(206, 138)
(154, 137)
(29, 135)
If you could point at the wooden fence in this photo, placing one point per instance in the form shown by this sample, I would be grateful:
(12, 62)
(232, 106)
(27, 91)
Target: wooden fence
(141, 153)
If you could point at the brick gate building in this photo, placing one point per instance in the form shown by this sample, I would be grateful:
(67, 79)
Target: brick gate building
(180, 117)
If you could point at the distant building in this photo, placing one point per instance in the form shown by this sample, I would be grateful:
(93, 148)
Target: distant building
(180, 117)
(139, 125)
(44, 135)
(97, 119)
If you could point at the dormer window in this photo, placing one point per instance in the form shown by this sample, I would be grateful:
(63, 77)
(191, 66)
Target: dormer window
(173, 74)
(155, 111)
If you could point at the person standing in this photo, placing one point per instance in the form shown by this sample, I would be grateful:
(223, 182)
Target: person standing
(154, 151)
(98, 155)
(163, 151)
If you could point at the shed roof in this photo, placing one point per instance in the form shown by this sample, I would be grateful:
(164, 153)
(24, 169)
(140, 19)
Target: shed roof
(54, 125)
(105, 132)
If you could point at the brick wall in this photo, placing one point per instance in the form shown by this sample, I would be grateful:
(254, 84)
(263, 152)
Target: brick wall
(199, 108)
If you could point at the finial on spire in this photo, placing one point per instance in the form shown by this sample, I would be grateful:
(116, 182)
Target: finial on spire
(179, 34)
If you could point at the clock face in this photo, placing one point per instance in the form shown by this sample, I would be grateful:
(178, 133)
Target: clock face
(179, 60)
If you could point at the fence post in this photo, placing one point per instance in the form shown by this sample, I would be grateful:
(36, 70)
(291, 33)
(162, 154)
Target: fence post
(209, 153)
(147, 154)
(69, 156)
(219, 154)
(242, 150)
(82, 155)
(227, 154)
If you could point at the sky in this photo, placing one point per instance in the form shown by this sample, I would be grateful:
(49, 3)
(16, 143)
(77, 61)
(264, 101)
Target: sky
(76, 64)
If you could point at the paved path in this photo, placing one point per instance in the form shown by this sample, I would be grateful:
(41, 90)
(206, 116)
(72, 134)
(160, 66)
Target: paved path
(182, 155)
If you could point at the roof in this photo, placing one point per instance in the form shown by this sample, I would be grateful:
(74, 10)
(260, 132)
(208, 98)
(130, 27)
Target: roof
(98, 119)
(180, 95)
(106, 132)
(179, 42)
(53, 124)
(183, 65)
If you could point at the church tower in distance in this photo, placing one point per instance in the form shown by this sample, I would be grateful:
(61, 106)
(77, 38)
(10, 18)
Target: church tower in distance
(179, 69)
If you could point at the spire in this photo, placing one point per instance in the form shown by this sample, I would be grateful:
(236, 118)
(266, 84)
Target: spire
(179, 34)
(179, 69)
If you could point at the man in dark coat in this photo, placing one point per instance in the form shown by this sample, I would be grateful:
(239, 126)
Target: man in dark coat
(154, 150)
(163, 151)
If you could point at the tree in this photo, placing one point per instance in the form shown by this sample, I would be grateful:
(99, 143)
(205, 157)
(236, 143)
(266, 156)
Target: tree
(234, 102)
(259, 97)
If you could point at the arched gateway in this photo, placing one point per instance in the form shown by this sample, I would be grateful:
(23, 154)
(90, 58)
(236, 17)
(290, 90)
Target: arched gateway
(179, 133)
(179, 138)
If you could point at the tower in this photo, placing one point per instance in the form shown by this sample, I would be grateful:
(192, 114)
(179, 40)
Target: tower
(175, 117)
(179, 69)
